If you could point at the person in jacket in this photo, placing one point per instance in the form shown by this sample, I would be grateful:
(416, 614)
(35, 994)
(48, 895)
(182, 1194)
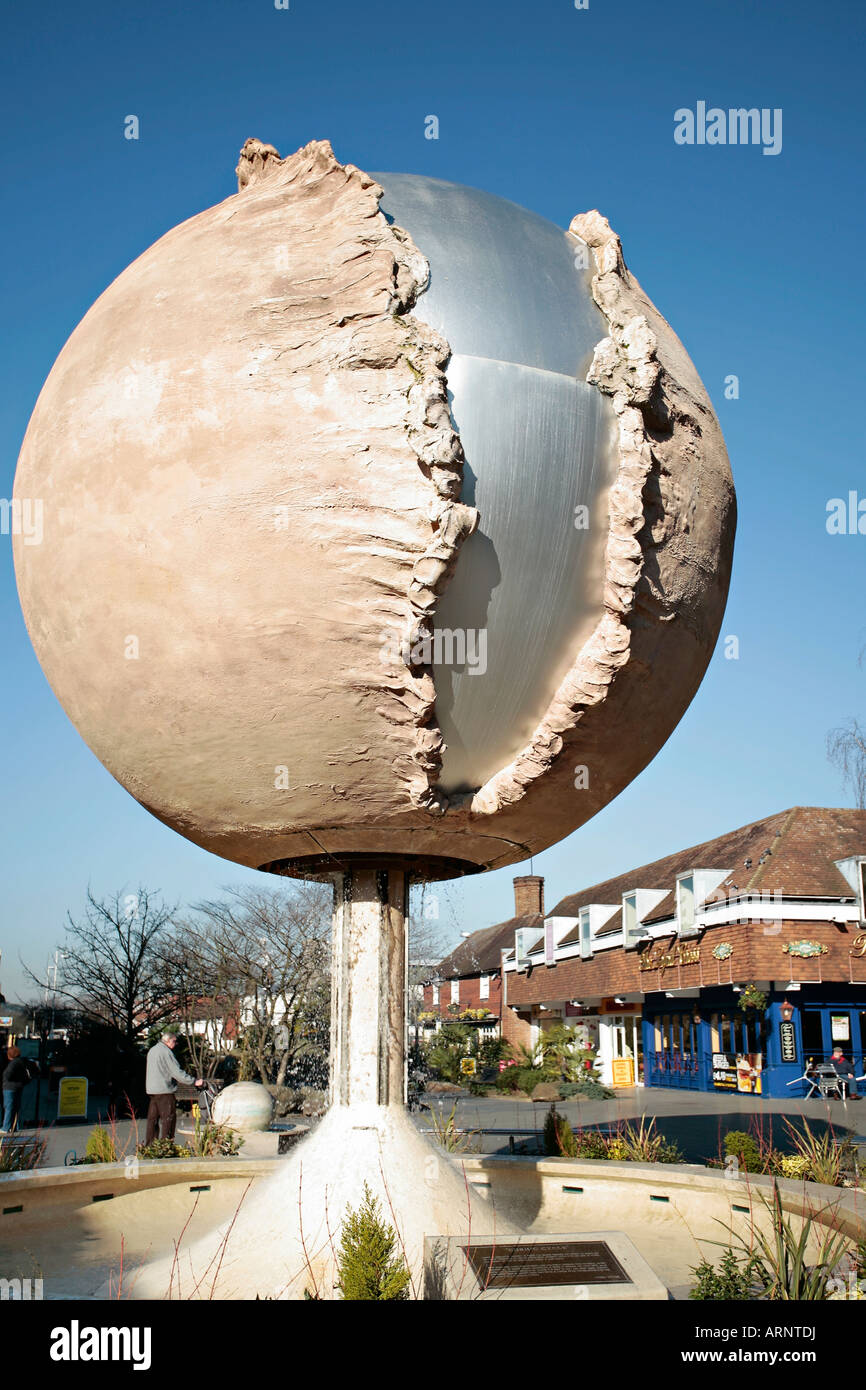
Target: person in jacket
(845, 1069)
(15, 1077)
(163, 1075)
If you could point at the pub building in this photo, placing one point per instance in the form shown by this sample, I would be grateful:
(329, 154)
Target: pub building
(729, 966)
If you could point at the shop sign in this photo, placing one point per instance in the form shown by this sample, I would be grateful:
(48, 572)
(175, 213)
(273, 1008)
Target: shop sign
(723, 951)
(858, 945)
(749, 1073)
(680, 955)
(72, 1098)
(622, 1071)
(840, 1028)
(724, 1073)
(807, 949)
(788, 1041)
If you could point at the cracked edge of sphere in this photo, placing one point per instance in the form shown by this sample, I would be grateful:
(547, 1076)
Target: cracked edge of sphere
(646, 397)
(433, 438)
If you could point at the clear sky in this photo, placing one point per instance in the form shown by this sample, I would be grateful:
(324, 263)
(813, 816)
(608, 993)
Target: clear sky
(755, 259)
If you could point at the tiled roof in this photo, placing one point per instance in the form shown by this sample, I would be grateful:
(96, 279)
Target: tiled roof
(481, 952)
(802, 842)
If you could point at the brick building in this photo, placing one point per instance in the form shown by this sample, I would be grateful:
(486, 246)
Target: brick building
(651, 965)
(470, 978)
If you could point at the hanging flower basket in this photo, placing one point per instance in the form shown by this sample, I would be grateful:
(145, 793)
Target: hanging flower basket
(753, 1000)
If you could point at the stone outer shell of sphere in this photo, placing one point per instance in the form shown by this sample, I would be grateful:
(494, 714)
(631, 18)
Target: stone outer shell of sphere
(246, 1106)
(250, 473)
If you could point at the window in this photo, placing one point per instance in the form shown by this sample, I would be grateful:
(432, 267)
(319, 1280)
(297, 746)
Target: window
(863, 889)
(585, 936)
(484, 988)
(455, 991)
(686, 903)
(629, 918)
(435, 994)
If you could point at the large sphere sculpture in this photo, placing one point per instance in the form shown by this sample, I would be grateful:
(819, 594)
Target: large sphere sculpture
(387, 532)
(369, 517)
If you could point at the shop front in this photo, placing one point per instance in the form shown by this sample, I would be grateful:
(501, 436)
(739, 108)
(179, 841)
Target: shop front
(708, 1043)
(620, 1044)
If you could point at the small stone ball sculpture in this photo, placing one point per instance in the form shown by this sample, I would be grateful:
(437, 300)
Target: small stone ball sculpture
(383, 520)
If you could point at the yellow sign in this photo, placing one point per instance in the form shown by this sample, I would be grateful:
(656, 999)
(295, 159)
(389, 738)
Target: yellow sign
(467, 1066)
(72, 1098)
(622, 1071)
(680, 955)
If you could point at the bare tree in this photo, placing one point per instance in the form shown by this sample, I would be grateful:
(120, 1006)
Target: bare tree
(113, 967)
(257, 957)
(846, 750)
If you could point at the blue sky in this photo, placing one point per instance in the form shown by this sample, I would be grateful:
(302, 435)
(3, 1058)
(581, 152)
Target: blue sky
(755, 260)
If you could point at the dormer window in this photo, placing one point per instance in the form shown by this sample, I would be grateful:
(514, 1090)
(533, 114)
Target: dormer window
(686, 903)
(629, 917)
(585, 934)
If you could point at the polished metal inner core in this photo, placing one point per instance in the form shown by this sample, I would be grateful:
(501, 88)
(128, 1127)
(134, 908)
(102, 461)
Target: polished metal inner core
(511, 293)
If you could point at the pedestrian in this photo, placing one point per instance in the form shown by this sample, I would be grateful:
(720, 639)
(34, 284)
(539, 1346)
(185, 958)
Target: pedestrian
(15, 1077)
(163, 1075)
(845, 1068)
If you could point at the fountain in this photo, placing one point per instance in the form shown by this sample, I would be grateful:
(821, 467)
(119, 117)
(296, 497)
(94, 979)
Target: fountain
(388, 532)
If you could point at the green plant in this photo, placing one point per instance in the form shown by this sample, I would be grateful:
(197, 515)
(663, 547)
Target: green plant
(20, 1155)
(446, 1133)
(823, 1156)
(588, 1143)
(585, 1090)
(210, 1140)
(744, 1147)
(164, 1148)
(558, 1137)
(445, 1050)
(368, 1267)
(752, 1000)
(780, 1259)
(643, 1144)
(100, 1147)
(732, 1282)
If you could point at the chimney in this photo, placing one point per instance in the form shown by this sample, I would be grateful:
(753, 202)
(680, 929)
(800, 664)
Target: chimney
(529, 896)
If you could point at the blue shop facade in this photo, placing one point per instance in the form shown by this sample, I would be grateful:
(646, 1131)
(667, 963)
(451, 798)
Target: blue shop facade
(709, 1043)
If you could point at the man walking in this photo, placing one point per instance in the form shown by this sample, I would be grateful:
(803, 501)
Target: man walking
(163, 1074)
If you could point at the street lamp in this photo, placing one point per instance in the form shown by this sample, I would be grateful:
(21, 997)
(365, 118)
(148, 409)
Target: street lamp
(786, 1009)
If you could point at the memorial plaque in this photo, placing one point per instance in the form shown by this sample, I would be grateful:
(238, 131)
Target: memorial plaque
(551, 1262)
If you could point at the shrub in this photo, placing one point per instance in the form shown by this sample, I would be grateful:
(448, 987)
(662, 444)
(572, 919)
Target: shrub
(559, 1138)
(745, 1149)
(368, 1268)
(210, 1140)
(823, 1158)
(644, 1145)
(20, 1155)
(585, 1090)
(446, 1133)
(100, 1147)
(732, 1282)
(779, 1259)
(164, 1148)
(590, 1144)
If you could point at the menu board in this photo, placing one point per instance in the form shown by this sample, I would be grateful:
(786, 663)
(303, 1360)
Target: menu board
(724, 1073)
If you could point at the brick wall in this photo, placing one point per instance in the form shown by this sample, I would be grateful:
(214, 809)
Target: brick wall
(757, 955)
(470, 996)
